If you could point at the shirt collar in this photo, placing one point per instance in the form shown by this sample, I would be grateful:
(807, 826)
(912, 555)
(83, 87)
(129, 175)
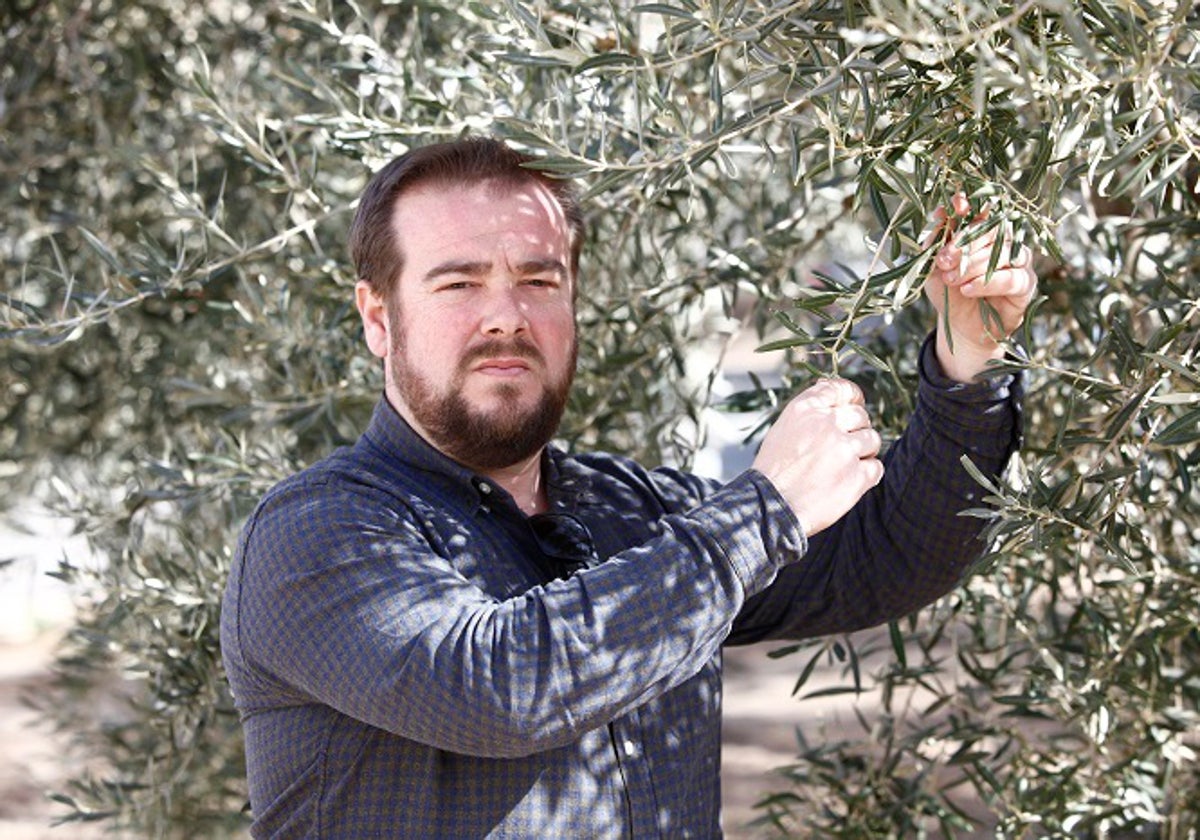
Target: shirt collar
(398, 444)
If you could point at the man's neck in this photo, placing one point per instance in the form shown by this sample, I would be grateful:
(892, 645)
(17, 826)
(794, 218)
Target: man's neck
(523, 481)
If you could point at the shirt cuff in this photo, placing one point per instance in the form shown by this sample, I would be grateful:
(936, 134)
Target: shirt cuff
(755, 526)
(992, 404)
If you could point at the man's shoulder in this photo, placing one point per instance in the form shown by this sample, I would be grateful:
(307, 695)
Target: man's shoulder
(336, 470)
(606, 474)
(341, 479)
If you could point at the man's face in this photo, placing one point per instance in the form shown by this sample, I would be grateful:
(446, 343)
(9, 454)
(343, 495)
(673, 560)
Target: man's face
(480, 333)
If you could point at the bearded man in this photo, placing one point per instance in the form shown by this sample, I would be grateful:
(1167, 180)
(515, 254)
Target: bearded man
(455, 629)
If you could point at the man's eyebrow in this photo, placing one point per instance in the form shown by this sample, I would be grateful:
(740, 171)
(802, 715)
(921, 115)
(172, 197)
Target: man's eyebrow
(469, 268)
(476, 268)
(541, 265)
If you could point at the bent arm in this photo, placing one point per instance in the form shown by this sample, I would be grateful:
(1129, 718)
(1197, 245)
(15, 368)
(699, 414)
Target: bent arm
(906, 542)
(355, 609)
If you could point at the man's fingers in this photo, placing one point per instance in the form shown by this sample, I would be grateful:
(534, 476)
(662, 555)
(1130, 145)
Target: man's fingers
(822, 453)
(946, 220)
(869, 442)
(874, 471)
(980, 258)
(852, 417)
(957, 267)
(833, 392)
(1005, 282)
(948, 257)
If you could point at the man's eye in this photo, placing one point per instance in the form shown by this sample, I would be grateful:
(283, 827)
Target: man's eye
(542, 282)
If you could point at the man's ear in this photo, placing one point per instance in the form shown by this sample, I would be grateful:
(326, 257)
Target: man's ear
(373, 311)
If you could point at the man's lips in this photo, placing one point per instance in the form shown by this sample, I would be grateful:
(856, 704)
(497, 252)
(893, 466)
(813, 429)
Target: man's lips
(503, 359)
(502, 366)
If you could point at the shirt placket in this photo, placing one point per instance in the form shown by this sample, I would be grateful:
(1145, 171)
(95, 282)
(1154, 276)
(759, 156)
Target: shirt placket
(633, 771)
(635, 775)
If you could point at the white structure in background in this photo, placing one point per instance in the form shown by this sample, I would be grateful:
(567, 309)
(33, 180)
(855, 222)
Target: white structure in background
(31, 601)
(730, 349)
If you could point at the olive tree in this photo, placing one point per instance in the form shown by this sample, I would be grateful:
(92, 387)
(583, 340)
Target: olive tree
(179, 335)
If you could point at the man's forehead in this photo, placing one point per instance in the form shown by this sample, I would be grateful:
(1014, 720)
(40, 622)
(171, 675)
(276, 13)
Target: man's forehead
(454, 223)
(501, 199)
(524, 213)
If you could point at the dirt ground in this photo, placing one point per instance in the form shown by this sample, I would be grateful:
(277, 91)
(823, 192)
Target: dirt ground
(759, 732)
(760, 721)
(35, 764)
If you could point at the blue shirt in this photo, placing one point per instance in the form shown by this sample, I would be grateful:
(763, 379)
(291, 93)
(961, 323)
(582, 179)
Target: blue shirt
(413, 656)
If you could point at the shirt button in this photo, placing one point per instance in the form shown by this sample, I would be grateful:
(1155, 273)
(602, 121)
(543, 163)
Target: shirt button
(485, 488)
(629, 748)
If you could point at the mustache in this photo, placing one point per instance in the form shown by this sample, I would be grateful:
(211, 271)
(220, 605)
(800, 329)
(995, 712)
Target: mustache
(517, 348)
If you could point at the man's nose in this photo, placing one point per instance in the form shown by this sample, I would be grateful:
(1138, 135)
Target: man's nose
(504, 312)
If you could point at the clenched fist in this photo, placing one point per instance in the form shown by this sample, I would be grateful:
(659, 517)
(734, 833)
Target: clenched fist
(822, 453)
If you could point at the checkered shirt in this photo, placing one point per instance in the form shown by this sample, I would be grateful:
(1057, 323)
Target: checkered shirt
(413, 657)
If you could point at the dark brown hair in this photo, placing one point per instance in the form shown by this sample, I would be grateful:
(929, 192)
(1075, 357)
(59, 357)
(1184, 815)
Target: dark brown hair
(464, 162)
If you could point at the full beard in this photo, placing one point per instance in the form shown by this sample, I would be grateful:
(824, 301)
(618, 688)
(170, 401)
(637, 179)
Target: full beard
(483, 439)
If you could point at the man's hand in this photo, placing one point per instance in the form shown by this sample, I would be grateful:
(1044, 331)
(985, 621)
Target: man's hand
(959, 281)
(821, 453)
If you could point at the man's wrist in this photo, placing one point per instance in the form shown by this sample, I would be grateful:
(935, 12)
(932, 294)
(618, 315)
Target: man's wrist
(965, 361)
(990, 405)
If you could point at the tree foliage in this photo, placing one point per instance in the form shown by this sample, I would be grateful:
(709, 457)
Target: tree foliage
(179, 334)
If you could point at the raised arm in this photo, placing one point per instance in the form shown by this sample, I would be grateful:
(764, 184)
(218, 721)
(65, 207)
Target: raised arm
(905, 542)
